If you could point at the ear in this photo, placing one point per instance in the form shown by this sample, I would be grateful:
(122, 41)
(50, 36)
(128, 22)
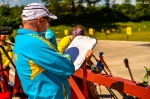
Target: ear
(40, 20)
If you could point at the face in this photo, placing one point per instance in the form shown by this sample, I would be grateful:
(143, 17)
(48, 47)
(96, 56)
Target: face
(43, 23)
(2, 37)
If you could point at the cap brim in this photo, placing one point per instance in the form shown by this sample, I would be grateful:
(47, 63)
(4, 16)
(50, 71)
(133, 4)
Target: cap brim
(53, 16)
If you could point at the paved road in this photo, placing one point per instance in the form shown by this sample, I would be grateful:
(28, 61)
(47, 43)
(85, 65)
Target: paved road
(138, 54)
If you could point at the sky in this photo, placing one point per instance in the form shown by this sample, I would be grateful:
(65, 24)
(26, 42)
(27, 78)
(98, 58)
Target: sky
(25, 2)
(19, 2)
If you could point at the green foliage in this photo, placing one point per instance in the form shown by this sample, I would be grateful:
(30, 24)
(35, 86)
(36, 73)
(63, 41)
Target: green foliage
(76, 12)
(4, 10)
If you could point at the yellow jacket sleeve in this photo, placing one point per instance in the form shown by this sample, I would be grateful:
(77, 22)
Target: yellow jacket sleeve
(10, 53)
(63, 44)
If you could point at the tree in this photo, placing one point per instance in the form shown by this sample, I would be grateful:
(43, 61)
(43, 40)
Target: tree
(92, 2)
(142, 7)
(4, 10)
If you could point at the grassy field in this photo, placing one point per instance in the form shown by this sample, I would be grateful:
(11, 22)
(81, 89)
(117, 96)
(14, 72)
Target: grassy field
(140, 31)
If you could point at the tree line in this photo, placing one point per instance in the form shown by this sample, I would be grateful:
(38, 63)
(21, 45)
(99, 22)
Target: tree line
(82, 12)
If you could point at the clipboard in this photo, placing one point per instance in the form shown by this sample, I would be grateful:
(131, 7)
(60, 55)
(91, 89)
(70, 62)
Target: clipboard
(78, 48)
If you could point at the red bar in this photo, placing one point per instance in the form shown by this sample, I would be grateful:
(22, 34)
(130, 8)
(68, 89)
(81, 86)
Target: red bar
(76, 89)
(120, 84)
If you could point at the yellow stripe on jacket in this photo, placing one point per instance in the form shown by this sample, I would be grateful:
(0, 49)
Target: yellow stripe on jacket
(36, 69)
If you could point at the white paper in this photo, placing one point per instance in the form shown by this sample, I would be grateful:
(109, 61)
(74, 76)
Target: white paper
(83, 43)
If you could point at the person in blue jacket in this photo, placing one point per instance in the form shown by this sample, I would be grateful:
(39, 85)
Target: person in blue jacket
(40, 67)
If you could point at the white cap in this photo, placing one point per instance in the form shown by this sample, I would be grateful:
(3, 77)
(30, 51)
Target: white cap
(36, 10)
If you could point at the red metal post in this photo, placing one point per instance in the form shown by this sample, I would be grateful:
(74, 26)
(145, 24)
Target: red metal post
(75, 89)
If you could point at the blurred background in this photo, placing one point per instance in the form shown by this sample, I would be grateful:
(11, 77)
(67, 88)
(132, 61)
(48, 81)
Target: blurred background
(102, 19)
(121, 20)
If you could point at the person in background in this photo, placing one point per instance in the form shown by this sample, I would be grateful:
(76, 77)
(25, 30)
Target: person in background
(5, 55)
(5, 59)
(50, 35)
(65, 41)
(40, 67)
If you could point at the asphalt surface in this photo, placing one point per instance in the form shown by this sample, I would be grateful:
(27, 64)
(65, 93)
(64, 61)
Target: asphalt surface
(137, 53)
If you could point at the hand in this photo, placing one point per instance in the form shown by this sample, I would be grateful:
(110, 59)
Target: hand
(88, 55)
(3, 67)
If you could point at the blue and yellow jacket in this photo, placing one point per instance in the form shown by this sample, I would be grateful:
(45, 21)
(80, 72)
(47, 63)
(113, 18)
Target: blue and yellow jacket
(40, 67)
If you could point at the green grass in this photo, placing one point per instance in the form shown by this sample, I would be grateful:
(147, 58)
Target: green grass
(60, 29)
(119, 34)
(143, 36)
